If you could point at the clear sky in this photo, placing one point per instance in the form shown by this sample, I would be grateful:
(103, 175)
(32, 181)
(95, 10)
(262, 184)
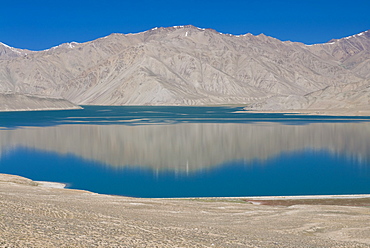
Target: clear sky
(41, 24)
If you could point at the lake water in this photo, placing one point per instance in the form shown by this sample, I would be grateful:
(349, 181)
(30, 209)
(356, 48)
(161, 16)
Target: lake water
(188, 151)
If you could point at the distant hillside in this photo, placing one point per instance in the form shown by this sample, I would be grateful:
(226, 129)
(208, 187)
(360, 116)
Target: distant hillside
(18, 102)
(185, 65)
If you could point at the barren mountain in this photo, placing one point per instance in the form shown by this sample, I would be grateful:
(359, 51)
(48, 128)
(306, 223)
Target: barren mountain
(185, 65)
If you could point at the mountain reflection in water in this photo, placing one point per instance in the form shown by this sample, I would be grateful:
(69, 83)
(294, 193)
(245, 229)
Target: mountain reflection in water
(190, 147)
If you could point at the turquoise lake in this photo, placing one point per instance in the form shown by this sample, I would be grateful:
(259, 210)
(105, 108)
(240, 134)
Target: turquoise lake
(151, 151)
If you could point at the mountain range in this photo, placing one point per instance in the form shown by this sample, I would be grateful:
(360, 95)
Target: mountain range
(186, 65)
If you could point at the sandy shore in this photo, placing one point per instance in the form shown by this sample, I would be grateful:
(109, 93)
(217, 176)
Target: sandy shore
(35, 216)
(37, 109)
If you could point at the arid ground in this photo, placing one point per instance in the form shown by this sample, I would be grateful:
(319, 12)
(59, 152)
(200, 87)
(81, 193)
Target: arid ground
(34, 215)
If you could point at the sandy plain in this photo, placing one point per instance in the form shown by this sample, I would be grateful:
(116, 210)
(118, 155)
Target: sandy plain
(39, 215)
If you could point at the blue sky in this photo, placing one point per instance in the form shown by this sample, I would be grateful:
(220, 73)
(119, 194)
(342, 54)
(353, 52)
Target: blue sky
(41, 24)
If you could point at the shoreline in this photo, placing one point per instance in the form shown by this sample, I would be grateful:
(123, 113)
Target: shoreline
(312, 112)
(280, 197)
(39, 109)
(10, 178)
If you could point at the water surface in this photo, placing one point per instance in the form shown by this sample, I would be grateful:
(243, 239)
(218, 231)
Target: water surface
(188, 151)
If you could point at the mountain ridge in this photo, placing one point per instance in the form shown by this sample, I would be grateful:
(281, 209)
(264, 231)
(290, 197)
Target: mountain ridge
(186, 65)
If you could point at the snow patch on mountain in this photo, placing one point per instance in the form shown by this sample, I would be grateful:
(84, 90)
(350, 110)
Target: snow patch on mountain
(11, 48)
(356, 35)
(72, 44)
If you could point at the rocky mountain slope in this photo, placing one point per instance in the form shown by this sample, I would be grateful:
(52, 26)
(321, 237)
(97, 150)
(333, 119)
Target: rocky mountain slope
(185, 65)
